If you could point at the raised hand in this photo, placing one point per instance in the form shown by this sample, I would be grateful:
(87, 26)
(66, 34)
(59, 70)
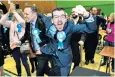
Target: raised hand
(13, 45)
(79, 9)
(12, 7)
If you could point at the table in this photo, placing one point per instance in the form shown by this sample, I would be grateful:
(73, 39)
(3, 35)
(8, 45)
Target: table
(109, 52)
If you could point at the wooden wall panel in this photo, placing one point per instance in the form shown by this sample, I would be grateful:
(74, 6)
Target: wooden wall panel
(43, 6)
(39, 4)
(49, 6)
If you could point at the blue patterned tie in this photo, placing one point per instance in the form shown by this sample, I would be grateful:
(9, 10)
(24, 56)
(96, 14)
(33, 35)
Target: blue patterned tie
(31, 27)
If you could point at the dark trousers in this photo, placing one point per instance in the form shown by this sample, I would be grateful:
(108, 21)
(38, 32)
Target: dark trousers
(58, 69)
(76, 53)
(75, 48)
(1, 57)
(33, 62)
(42, 65)
(18, 57)
(90, 46)
(113, 60)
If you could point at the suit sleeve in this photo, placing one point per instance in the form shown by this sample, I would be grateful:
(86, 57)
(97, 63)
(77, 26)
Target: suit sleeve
(89, 26)
(45, 19)
(26, 34)
(4, 21)
(46, 49)
(102, 21)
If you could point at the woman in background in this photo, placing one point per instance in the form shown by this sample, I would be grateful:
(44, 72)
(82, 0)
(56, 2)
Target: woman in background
(110, 37)
(15, 36)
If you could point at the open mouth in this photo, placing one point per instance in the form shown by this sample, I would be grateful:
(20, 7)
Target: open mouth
(60, 23)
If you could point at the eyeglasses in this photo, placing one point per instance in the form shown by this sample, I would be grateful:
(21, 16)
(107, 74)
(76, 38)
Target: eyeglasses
(61, 17)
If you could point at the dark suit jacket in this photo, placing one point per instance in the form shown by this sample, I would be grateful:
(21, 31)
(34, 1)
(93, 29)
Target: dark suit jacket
(100, 21)
(39, 24)
(3, 8)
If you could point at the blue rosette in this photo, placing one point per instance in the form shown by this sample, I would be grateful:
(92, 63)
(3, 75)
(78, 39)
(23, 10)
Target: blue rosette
(5, 29)
(61, 36)
(36, 33)
(10, 17)
(19, 26)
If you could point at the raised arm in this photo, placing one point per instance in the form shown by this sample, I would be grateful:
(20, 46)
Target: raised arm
(26, 34)
(89, 26)
(45, 19)
(102, 21)
(19, 18)
(4, 20)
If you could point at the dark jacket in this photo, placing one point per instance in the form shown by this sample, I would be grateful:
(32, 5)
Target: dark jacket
(100, 21)
(3, 8)
(39, 24)
(64, 56)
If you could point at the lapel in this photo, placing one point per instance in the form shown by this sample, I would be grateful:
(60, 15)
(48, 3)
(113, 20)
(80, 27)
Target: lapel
(37, 23)
(48, 25)
(48, 32)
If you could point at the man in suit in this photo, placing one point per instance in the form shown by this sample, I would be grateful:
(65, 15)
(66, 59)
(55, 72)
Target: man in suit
(34, 21)
(76, 37)
(92, 39)
(59, 30)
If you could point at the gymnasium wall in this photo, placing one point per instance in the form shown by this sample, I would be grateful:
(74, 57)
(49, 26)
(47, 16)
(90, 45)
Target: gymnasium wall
(47, 6)
(106, 6)
(43, 6)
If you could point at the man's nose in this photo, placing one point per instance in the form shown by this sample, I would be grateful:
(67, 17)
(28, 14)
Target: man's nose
(59, 20)
(25, 16)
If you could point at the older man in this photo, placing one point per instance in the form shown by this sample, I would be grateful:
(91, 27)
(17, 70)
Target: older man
(92, 39)
(77, 37)
(34, 21)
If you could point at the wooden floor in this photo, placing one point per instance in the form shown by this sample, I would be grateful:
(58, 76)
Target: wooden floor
(10, 70)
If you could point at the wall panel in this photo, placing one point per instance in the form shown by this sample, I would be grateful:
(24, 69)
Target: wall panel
(43, 6)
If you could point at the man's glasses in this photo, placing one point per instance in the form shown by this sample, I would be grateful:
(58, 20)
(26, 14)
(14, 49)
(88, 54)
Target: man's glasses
(61, 17)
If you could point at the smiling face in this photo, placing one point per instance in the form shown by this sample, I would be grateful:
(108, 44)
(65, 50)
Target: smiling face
(111, 17)
(29, 14)
(74, 16)
(94, 11)
(59, 19)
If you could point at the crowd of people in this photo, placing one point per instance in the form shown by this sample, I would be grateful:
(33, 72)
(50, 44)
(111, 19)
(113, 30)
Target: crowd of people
(53, 38)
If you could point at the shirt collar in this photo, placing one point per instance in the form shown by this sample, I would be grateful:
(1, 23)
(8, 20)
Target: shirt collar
(34, 22)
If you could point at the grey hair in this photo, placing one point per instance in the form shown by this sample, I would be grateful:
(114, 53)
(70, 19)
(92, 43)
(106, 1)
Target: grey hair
(33, 8)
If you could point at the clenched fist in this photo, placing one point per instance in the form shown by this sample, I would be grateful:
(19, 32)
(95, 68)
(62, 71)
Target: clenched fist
(79, 9)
